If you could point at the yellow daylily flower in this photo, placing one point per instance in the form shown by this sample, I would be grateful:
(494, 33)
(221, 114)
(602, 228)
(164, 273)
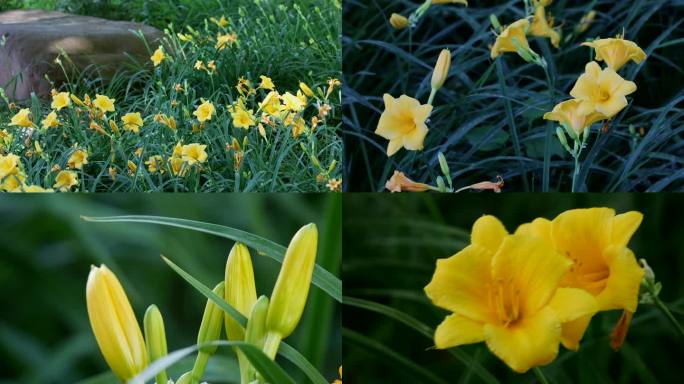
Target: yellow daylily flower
(503, 289)
(224, 41)
(266, 83)
(504, 42)
(104, 103)
(50, 121)
(204, 111)
(595, 240)
(574, 115)
(292, 102)
(155, 164)
(271, 103)
(194, 153)
(604, 89)
(132, 122)
(77, 159)
(616, 52)
(60, 100)
(403, 123)
(65, 180)
(398, 21)
(114, 324)
(158, 56)
(9, 165)
(243, 118)
(22, 118)
(541, 27)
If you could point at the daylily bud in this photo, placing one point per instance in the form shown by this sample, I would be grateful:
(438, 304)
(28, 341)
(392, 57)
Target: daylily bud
(256, 333)
(292, 287)
(116, 330)
(443, 164)
(495, 22)
(441, 71)
(212, 320)
(256, 326)
(240, 292)
(563, 140)
(305, 88)
(440, 184)
(398, 21)
(210, 330)
(155, 338)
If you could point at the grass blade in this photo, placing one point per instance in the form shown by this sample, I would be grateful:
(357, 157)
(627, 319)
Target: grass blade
(321, 278)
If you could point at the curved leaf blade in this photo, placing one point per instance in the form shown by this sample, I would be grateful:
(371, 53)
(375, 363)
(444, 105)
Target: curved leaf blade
(321, 277)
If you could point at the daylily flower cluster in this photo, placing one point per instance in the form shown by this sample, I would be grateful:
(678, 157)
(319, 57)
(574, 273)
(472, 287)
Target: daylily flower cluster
(513, 38)
(128, 351)
(525, 293)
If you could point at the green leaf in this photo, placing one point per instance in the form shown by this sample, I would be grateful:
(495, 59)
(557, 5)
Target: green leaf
(285, 350)
(271, 371)
(321, 278)
(422, 329)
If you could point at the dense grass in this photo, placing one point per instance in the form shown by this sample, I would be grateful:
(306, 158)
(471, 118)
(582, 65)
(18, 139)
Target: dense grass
(487, 118)
(393, 258)
(45, 335)
(290, 42)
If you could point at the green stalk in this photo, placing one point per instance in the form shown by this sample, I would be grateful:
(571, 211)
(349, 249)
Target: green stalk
(668, 314)
(199, 367)
(547, 137)
(271, 344)
(540, 375)
(575, 173)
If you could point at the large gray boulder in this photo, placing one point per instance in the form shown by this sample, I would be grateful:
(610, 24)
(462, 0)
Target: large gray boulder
(31, 40)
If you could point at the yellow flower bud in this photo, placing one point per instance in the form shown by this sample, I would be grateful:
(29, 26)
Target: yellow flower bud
(305, 88)
(114, 325)
(240, 290)
(210, 330)
(155, 338)
(398, 21)
(441, 71)
(292, 287)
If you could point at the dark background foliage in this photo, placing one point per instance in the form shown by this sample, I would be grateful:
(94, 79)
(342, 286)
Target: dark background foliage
(397, 239)
(46, 252)
(641, 151)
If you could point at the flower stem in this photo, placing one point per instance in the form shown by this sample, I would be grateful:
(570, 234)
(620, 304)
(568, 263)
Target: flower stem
(575, 173)
(669, 315)
(540, 375)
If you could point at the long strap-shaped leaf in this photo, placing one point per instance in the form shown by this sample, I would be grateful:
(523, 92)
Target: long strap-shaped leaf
(271, 371)
(285, 349)
(423, 330)
(321, 277)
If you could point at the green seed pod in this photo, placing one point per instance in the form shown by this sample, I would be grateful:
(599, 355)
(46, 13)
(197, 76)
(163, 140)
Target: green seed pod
(240, 290)
(155, 338)
(294, 280)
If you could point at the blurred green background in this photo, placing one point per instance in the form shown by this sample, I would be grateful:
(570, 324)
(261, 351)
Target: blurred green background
(46, 252)
(391, 243)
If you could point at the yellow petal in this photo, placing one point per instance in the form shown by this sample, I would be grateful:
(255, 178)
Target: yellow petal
(622, 286)
(488, 232)
(394, 146)
(624, 226)
(414, 140)
(459, 283)
(533, 267)
(573, 303)
(457, 330)
(572, 332)
(582, 234)
(531, 342)
(539, 227)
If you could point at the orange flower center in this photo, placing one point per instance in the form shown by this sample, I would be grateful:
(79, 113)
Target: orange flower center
(504, 299)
